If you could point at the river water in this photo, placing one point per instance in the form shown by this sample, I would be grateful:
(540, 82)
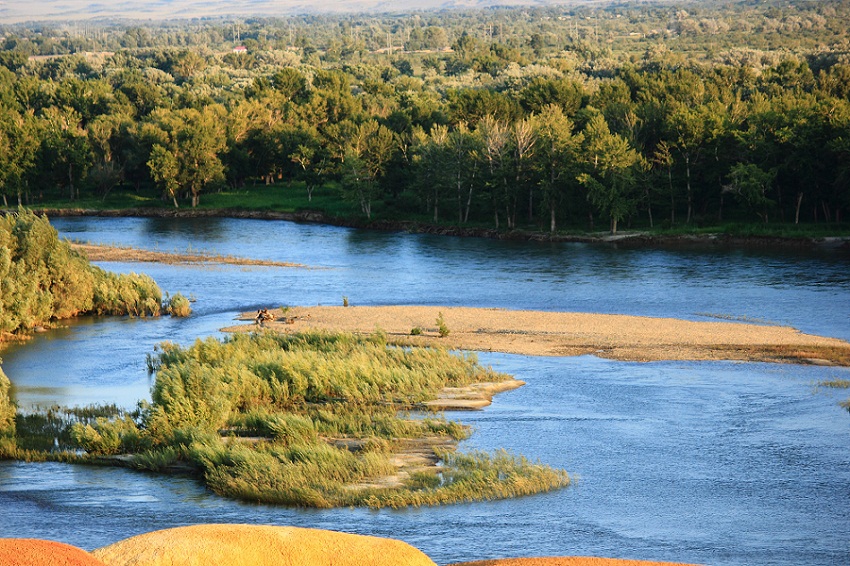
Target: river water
(707, 462)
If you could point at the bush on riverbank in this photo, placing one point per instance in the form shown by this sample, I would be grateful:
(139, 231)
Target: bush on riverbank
(314, 419)
(42, 279)
(7, 418)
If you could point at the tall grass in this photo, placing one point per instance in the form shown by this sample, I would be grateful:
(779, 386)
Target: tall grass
(313, 419)
(299, 419)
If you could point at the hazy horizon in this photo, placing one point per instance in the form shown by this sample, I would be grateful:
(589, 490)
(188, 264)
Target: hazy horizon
(20, 11)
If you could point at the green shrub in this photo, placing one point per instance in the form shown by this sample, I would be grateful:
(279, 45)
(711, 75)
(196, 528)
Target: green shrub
(178, 305)
(415, 331)
(42, 279)
(7, 410)
(106, 436)
(158, 459)
(442, 329)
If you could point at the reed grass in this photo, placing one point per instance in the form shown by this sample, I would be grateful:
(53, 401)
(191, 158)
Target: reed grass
(298, 419)
(178, 305)
(314, 419)
(7, 417)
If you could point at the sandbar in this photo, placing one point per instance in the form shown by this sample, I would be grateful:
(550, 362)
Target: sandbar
(541, 333)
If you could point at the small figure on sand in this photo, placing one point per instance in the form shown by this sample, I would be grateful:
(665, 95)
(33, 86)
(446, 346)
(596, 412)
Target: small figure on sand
(263, 315)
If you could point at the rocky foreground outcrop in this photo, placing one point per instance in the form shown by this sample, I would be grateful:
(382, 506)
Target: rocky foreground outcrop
(254, 545)
(34, 552)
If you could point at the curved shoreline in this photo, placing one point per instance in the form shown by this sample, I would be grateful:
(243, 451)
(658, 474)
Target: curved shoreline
(538, 333)
(629, 239)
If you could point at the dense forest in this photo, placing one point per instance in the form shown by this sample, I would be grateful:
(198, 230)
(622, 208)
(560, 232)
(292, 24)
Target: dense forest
(655, 114)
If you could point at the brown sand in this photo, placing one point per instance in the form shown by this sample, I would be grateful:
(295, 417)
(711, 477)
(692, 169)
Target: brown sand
(254, 545)
(33, 552)
(565, 561)
(539, 333)
(126, 254)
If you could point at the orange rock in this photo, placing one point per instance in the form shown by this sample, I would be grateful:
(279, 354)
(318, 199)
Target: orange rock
(34, 552)
(256, 545)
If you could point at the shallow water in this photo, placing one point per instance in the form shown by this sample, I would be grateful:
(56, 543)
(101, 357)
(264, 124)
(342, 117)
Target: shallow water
(717, 463)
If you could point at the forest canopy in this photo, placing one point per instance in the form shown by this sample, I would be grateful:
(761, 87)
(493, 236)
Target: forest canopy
(677, 114)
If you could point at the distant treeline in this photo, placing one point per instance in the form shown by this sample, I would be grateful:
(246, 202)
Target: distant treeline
(546, 117)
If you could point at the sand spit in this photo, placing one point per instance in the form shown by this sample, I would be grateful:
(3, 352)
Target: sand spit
(565, 561)
(256, 545)
(95, 252)
(538, 333)
(34, 552)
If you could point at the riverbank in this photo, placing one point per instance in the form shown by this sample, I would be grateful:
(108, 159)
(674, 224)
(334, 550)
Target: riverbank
(624, 238)
(537, 333)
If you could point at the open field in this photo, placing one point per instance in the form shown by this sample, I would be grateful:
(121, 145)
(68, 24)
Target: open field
(539, 333)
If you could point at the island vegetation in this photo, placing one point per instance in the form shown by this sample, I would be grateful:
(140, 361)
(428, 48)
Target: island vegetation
(311, 419)
(44, 280)
(566, 117)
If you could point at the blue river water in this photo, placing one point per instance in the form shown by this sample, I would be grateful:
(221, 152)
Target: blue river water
(703, 462)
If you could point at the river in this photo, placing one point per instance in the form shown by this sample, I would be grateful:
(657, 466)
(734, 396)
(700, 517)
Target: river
(706, 462)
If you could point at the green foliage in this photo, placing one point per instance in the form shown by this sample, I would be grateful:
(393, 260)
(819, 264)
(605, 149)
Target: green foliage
(471, 477)
(42, 279)
(747, 98)
(415, 331)
(159, 459)
(442, 328)
(7, 417)
(305, 419)
(178, 305)
(106, 436)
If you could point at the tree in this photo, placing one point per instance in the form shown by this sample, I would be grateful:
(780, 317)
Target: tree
(18, 148)
(750, 184)
(165, 171)
(367, 152)
(194, 139)
(312, 161)
(65, 148)
(556, 160)
(688, 132)
(611, 163)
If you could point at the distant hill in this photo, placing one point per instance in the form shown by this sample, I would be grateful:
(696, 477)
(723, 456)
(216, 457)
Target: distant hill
(16, 11)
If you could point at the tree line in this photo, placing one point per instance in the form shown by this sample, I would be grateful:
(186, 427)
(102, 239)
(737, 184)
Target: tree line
(547, 130)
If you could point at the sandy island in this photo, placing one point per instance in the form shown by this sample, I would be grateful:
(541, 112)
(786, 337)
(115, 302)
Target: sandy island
(96, 252)
(538, 333)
